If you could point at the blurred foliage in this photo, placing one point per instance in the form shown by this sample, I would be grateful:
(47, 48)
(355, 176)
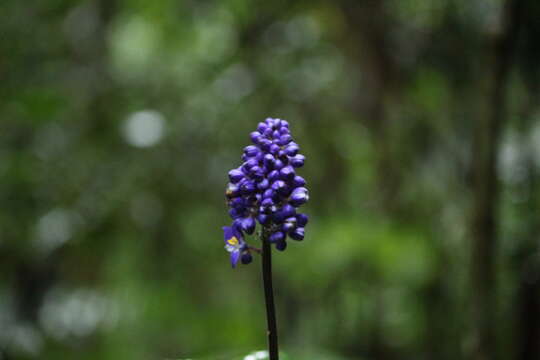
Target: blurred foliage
(121, 118)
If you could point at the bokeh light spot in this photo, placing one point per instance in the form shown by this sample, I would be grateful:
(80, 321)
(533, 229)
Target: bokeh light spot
(144, 128)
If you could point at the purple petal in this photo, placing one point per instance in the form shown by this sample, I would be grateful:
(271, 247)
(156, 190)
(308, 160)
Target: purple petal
(235, 256)
(231, 231)
(228, 233)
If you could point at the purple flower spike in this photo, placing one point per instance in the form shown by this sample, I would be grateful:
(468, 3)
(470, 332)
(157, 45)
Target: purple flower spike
(266, 190)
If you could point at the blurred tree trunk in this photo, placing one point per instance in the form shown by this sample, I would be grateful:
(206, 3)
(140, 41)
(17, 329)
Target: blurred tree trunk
(438, 341)
(368, 24)
(528, 275)
(486, 189)
(527, 257)
(528, 331)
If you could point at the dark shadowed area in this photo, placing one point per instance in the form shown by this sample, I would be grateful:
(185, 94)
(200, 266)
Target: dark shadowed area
(420, 121)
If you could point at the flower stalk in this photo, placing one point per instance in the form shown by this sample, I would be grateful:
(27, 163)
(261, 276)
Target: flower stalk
(273, 349)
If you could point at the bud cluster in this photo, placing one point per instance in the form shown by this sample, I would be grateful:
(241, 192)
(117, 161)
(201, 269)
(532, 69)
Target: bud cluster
(267, 190)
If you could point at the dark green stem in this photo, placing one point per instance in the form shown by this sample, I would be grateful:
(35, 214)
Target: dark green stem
(269, 298)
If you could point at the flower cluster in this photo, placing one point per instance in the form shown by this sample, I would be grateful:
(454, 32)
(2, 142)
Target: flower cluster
(266, 189)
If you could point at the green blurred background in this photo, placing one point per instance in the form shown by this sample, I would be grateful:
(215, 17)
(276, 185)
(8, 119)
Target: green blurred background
(119, 120)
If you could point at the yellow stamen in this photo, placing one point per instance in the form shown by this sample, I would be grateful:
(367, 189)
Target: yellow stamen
(233, 241)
